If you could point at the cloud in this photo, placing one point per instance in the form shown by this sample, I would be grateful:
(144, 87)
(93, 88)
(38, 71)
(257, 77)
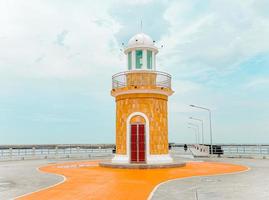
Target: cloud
(51, 118)
(64, 53)
(130, 13)
(203, 36)
(178, 107)
(258, 82)
(51, 40)
(183, 87)
(135, 2)
(61, 37)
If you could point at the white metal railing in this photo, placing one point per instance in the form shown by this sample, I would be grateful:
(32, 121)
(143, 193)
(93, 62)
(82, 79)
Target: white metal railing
(202, 148)
(236, 150)
(55, 152)
(141, 78)
(35, 152)
(246, 150)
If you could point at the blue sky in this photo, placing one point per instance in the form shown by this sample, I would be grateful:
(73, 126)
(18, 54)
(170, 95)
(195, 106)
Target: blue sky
(57, 59)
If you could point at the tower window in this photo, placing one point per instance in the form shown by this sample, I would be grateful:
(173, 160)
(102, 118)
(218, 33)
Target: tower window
(149, 59)
(129, 60)
(139, 59)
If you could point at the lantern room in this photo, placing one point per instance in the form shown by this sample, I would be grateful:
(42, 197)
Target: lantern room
(141, 53)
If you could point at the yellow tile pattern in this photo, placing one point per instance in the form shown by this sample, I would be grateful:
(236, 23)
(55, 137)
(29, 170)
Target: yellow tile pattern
(138, 78)
(154, 106)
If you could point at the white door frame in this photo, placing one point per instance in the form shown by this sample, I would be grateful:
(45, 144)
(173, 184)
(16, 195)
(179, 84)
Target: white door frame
(128, 134)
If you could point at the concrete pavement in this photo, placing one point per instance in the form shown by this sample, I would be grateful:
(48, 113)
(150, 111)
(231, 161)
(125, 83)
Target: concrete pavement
(17, 178)
(20, 177)
(249, 185)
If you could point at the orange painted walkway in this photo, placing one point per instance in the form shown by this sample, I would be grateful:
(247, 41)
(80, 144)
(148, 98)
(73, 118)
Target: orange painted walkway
(86, 180)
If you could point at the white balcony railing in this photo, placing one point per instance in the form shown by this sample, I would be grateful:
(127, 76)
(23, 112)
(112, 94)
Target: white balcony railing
(141, 78)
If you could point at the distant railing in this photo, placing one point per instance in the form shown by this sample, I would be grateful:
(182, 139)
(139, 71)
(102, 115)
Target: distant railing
(261, 150)
(201, 148)
(141, 78)
(246, 150)
(25, 152)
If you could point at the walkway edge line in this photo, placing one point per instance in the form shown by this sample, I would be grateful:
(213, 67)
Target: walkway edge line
(221, 174)
(50, 186)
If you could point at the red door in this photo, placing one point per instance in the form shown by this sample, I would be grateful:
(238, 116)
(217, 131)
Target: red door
(137, 143)
(141, 141)
(134, 143)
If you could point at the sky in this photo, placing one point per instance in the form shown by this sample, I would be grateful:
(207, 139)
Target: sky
(57, 58)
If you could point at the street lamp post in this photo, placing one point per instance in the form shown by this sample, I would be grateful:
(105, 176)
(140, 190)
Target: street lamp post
(209, 112)
(195, 131)
(197, 126)
(202, 122)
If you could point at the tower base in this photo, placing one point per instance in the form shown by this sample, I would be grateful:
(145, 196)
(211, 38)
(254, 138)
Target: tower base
(150, 159)
(141, 165)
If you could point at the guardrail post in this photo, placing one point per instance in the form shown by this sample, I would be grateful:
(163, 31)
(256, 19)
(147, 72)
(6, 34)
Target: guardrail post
(33, 151)
(256, 152)
(10, 152)
(56, 151)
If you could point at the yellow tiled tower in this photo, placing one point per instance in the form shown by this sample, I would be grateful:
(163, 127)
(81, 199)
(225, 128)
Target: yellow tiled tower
(141, 96)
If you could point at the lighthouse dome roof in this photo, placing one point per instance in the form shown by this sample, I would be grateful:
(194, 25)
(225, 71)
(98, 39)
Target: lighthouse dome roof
(141, 40)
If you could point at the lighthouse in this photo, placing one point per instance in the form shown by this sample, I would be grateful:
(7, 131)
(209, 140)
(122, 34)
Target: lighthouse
(141, 95)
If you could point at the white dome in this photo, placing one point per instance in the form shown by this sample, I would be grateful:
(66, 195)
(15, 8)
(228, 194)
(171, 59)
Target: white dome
(141, 39)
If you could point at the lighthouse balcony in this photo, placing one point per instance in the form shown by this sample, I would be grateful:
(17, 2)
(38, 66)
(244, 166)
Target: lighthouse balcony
(141, 81)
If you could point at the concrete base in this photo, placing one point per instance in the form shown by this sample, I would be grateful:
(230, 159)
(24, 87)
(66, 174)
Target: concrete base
(141, 165)
(159, 159)
(150, 159)
(124, 159)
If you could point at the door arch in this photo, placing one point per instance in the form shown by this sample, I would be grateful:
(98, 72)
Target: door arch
(138, 128)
